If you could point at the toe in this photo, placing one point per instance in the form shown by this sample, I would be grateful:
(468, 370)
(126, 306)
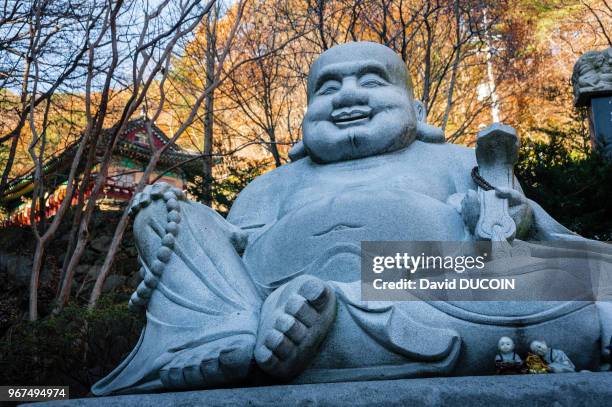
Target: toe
(291, 327)
(193, 374)
(234, 358)
(163, 375)
(175, 377)
(235, 363)
(315, 292)
(172, 374)
(279, 344)
(265, 358)
(299, 307)
(210, 371)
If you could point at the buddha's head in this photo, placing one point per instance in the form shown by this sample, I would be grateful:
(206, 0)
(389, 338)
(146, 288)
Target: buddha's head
(539, 347)
(505, 344)
(360, 103)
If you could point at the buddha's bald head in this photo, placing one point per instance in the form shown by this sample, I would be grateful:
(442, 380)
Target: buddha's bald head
(353, 53)
(360, 103)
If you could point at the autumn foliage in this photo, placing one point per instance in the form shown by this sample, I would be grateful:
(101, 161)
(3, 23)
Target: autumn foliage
(228, 81)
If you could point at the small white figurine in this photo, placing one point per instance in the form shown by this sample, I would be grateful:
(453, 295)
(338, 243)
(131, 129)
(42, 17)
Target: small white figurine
(506, 360)
(556, 359)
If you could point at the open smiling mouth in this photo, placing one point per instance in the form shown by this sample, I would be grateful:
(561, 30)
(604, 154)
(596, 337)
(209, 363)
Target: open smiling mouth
(350, 117)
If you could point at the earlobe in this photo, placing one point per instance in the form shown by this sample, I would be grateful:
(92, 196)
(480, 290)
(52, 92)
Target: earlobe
(429, 134)
(298, 151)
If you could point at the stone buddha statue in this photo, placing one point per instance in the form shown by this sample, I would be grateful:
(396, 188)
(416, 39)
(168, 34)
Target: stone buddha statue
(272, 293)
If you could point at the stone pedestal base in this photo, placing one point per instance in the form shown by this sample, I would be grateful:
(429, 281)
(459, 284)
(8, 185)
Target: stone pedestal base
(570, 389)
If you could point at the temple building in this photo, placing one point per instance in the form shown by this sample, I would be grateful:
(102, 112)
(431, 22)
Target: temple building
(130, 157)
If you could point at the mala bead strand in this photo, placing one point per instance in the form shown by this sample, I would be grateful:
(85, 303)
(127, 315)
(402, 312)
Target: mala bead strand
(150, 277)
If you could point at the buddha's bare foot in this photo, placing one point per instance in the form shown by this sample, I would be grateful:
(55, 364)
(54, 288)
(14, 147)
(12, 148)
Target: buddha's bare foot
(222, 362)
(294, 321)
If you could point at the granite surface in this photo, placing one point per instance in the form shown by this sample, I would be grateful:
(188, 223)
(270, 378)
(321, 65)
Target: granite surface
(570, 389)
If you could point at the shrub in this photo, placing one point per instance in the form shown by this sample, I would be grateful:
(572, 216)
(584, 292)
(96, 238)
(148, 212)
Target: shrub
(573, 184)
(76, 347)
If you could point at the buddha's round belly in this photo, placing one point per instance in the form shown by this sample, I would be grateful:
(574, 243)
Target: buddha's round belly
(323, 237)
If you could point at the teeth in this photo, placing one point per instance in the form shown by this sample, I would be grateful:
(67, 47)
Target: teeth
(351, 117)
(347, 115)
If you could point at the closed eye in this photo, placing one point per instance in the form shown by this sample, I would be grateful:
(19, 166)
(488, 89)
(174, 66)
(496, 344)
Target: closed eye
(329, 87)
(371, 81)
(371, 84)
(328, 91)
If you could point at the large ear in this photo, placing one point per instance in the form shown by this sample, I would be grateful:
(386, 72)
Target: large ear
(419, 110)
(426, 132)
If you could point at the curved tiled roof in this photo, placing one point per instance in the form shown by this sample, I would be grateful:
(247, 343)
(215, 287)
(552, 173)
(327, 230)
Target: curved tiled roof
(172, 156)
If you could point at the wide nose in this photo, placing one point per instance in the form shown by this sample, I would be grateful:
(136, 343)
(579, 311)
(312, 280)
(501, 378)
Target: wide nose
(349, 95)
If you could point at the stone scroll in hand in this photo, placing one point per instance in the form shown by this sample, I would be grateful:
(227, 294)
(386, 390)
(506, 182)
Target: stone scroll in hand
(496, 153)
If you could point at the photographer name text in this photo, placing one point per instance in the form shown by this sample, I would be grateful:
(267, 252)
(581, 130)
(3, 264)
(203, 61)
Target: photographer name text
(446, 284)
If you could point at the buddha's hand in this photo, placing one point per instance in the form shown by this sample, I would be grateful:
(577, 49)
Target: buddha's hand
(518, 208)
(157, 191)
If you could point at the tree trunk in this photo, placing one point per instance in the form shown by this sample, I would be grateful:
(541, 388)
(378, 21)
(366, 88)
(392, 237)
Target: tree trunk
(74, 229)
(274, 148)
(78, 213)
(64, 293)
(9, 164)
(34, 279)
(209, 107)
(110, 256)
(453, 80)
(321, 23)
(427, 73)
(495, 109)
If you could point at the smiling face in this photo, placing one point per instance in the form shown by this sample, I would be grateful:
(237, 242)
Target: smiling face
(359, 103)
(505, 344)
